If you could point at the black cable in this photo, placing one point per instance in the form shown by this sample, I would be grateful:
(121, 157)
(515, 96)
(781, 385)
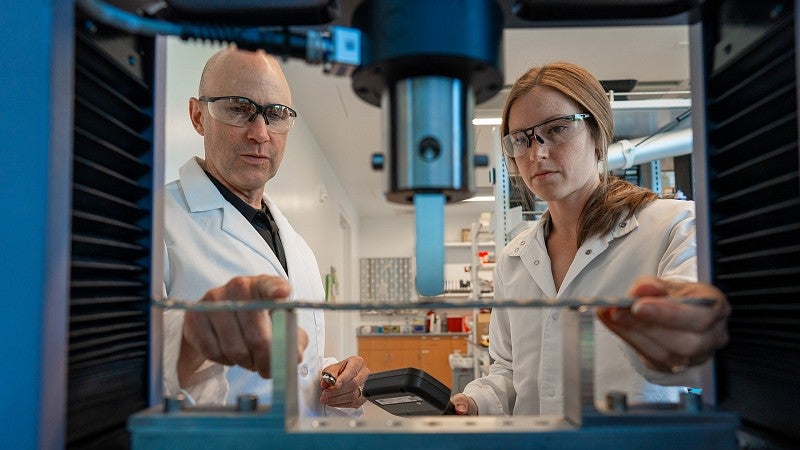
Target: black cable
(672, 124)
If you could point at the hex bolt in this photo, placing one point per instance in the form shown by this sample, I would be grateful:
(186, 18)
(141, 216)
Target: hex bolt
(691, 402)
(174, 404)
(617, 401)
(246, 402)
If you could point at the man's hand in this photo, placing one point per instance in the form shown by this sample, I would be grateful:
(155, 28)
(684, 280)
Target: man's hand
(670, 336)
(240, 338)
(348, 392)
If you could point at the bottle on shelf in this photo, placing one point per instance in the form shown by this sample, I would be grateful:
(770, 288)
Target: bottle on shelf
(429, 319)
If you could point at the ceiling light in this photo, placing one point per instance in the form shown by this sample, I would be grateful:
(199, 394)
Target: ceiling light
(480, 198)
(487, 121)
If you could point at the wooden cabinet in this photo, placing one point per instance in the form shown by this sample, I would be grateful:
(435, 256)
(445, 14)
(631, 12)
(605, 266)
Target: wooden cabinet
(427, 352)
(389, 352)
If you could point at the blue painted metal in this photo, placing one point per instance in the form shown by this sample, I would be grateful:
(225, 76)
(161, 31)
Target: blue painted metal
(36, 128)
(650, 429)
(429, 219)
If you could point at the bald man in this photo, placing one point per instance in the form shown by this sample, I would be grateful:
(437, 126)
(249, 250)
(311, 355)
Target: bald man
(225, 239)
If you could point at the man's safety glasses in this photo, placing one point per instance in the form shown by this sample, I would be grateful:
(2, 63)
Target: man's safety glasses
(551, 132)
(239, 111)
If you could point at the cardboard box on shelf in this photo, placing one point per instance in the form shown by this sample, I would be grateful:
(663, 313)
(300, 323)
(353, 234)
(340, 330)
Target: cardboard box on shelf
(482, 326)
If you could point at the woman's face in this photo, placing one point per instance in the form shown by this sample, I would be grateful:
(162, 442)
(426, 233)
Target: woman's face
(565, 172)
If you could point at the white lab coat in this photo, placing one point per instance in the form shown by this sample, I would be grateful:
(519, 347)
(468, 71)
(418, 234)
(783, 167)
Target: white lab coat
(526, 377)
(208, 242)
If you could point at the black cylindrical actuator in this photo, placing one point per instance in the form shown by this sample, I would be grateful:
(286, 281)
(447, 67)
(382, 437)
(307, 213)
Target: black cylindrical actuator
(427, 71)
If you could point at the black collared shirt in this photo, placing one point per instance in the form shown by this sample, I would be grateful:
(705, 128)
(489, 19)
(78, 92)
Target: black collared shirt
(260, 219)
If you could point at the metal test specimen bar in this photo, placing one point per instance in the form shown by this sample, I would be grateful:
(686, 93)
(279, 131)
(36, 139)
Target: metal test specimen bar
(427, 303)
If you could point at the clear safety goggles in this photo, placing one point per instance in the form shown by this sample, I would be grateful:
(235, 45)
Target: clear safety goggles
(550, 133)
(240, 111)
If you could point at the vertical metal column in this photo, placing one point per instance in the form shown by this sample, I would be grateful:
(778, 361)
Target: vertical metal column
(655, 176)
(36, 127)
(283, 362)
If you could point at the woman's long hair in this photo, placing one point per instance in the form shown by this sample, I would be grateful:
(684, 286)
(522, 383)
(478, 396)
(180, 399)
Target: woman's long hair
(614, 197)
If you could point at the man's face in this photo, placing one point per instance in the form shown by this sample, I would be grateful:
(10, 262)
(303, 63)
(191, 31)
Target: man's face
(245, 157)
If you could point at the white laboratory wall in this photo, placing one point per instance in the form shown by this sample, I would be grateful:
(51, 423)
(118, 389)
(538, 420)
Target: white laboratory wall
(306, 189)
(394, 237)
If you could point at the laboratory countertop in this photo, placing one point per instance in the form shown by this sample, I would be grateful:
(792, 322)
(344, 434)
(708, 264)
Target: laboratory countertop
(453, 333)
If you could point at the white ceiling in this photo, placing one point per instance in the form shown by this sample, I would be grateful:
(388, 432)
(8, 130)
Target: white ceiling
(349, 130)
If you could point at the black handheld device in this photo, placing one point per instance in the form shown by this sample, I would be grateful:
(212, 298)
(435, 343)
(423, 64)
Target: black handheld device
(407, 392)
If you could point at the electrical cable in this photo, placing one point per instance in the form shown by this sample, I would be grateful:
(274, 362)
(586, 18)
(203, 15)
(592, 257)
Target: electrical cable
(280, 41)
(672, 124)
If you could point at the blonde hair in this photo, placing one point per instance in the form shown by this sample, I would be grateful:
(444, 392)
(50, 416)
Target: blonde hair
(614, 197)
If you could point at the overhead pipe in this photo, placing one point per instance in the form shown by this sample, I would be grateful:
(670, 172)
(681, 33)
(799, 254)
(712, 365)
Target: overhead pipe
(625, 153)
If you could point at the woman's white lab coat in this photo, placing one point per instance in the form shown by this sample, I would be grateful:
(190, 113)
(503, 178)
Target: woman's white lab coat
(525, 344)
(208, 242)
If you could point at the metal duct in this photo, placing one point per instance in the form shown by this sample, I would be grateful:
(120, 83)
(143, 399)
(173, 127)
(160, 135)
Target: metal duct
(625, 153)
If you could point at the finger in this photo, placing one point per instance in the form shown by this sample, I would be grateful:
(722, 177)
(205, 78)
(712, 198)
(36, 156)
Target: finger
(351, 370)
(647, 286)
(351, 376)
(256, 331)
(225, 325)
(678, 315)
(198, 332)
(231, 339)
(656, 287)
(664, 348)
(672, 315)
(650, 286)
(649, 350)
(684, 330)
(464, 405)
(341, 398)
(270, 287)
(254, 327)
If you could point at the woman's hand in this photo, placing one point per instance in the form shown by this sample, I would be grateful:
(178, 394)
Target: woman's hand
(671, 336)
(464, 405)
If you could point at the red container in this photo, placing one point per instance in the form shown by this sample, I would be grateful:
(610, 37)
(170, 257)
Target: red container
(455, 324)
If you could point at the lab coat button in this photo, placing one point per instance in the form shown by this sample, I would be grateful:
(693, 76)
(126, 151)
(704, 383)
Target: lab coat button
(522, 243)
(536, 263)
(555, 316)
(589, 252)
(623, 224)
(304, 371)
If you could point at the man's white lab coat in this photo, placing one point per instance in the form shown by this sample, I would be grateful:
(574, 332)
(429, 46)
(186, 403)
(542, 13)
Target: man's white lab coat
(526, 377)
(208, 242)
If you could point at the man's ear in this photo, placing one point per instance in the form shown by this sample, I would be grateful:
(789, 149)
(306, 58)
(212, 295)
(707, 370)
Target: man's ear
(196, 115)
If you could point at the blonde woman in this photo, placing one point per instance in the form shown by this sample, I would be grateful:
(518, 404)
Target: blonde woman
(600, 236)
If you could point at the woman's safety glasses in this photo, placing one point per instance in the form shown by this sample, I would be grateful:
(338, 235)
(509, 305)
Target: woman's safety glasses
(550, 133)
(239, 111)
